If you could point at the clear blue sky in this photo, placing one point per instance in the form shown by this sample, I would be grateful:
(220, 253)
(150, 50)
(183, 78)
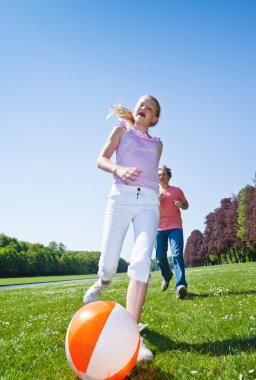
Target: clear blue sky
(62, 63)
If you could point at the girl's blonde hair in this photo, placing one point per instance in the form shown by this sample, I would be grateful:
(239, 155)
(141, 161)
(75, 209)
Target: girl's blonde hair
(126, 114)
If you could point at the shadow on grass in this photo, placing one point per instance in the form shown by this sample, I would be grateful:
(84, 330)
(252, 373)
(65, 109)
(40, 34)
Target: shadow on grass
(141, 371)
(219, 294)
(215, 348)
(147, 371)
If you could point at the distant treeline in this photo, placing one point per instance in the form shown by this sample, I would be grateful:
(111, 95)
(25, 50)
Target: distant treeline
(230, 232)
(229, 237)
(19, 258)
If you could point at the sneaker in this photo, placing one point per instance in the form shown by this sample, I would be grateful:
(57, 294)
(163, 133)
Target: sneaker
(144, 352)
(181, 291)
(165, 285)
(142, 326)
(94, 292)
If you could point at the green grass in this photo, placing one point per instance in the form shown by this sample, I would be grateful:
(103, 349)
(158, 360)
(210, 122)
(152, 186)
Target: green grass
(33, 280)
(209, 335)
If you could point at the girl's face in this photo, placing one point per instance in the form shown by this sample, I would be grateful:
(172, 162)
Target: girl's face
(145, 112)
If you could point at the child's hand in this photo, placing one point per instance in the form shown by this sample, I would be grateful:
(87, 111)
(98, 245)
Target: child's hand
(128, 174)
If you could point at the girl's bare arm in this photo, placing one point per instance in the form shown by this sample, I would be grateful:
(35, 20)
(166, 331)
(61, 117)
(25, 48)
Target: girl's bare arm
(127, 174)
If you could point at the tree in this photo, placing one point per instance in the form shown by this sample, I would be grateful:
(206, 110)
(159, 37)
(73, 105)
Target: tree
(53, 245)
(247, 217)
(122, 266)
(4, 240)
(229, 242)
(210, 234)
(8, 260)
(43, 260)
(220, 236)
(62, 247)
(251, 221)
(193, 253)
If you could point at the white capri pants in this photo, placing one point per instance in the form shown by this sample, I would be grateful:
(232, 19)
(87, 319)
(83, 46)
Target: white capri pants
(128, 204)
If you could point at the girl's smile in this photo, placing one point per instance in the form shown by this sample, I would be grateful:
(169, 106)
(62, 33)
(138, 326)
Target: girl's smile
(145, 113)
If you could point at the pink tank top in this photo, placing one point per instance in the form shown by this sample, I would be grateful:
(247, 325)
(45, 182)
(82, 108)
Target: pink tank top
(137, 149)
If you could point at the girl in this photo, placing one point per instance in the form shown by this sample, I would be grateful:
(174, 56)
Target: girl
(133, 198)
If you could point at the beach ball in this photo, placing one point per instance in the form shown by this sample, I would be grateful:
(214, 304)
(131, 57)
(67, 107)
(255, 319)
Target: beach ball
(102, 341)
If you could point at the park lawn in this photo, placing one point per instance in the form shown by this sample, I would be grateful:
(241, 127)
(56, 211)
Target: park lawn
(209, 335)
(34, 280)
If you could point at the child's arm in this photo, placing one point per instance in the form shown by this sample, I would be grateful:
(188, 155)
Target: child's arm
(160, 149)
(127, 174)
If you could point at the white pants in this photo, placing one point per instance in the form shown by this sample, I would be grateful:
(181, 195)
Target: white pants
(141, 207)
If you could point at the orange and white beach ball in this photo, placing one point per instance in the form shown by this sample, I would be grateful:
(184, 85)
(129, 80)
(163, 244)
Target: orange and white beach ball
(102, 341)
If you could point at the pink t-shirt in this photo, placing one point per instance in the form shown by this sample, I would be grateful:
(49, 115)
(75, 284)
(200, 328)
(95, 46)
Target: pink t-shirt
(137, 149)
(170, 215)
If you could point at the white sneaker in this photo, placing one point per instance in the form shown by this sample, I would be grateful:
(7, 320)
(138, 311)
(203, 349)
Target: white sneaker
(165, 285)
(144, 352)
(181, 292)
(94, 292)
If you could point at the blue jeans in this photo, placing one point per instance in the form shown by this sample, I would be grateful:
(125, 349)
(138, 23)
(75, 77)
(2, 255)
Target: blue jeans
(175, 237)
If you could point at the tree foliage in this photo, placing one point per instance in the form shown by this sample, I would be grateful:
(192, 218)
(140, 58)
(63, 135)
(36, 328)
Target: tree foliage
(230, 232)
(194, 250)
(247, 216)
(229, 237)
(19, 258)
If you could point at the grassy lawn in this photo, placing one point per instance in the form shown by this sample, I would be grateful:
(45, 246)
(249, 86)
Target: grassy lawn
(209, 335)
(34, 280)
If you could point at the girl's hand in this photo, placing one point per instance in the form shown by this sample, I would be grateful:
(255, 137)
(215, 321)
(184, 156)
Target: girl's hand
(128, 174)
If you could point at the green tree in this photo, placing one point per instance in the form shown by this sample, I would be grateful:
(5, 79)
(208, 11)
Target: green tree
(53, 245)
(122, 266)
(8, 260)
(62, 247)
(247, 217)
(4, 240)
